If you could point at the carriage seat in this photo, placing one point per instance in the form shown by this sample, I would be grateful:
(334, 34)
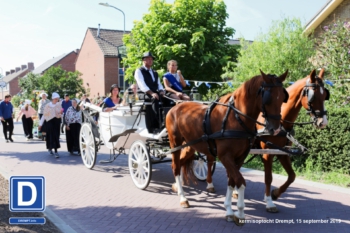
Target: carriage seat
(164, 106)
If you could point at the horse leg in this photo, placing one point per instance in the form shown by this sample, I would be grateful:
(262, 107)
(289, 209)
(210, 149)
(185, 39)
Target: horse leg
(235, 193)
(179, 158)
(268, 160)
(287, 165)
(235, 179)
(210, 186)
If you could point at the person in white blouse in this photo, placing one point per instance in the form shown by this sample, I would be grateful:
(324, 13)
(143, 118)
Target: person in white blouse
(51, 122)
(148, 81)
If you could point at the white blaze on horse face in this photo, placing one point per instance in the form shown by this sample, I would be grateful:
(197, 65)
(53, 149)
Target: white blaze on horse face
(321, 90)
(325, 120)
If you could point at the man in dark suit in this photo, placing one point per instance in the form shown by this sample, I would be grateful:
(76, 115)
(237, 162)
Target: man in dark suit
(148, 82)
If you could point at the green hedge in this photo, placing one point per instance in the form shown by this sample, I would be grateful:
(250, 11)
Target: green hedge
(329, 148)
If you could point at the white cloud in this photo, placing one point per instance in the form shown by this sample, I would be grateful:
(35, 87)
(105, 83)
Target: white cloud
(241, 13)
(48, 10)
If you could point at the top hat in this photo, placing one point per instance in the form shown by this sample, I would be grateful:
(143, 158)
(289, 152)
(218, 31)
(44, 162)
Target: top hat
(147, 54)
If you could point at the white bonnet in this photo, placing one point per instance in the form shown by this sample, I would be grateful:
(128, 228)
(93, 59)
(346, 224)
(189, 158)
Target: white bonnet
(55, 95)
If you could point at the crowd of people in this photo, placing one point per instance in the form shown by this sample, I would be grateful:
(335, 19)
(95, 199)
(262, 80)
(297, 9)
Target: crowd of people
(56, 115)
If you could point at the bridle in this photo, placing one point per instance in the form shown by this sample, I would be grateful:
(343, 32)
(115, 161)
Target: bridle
(266, 97)
(310, 94)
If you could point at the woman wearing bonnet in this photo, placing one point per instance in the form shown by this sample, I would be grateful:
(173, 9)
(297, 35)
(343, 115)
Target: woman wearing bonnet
(52, 118)
(42, 104)
(73, 124)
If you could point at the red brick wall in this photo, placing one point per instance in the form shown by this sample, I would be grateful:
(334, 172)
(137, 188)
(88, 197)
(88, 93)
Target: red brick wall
(111, 72)
(68, 62)
(14, 84)
(90, 63)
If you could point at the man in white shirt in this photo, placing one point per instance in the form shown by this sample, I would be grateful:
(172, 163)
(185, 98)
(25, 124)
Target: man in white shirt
(148, 82)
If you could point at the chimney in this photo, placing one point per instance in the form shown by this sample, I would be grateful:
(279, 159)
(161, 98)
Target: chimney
(18, 69)
(30, 66)
(12, 71)
(77, 51)
(98, 31)
(8, 72)
(23, 67)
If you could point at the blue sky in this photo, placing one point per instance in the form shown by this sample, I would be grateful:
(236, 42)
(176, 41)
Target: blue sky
(37, 30)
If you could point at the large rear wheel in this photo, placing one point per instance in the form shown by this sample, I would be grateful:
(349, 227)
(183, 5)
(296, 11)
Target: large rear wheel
(87, 145)
(140, 166)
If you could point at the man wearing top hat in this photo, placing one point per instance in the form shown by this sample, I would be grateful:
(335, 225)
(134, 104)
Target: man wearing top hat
(148, 82)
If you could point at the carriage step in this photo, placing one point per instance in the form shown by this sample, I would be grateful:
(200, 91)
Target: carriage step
(267, 151)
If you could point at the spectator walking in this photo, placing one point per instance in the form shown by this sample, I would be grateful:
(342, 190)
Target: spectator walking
(6, 117)
(42, 104)
(26, 113)
(51, 121)
(73, 124)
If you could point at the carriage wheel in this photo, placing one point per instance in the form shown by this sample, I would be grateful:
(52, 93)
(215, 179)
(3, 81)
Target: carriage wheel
(200, 167)
(140, 166)
(87, 145)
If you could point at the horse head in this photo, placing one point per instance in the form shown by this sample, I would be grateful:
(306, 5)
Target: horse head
(272, 97)
(313, 96)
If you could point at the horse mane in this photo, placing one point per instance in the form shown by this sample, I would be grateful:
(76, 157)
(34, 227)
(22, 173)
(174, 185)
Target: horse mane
(247, 87)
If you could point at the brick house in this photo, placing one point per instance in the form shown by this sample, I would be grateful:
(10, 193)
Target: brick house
(12, 79)
(327, 15)
(66, 61)
(98, 60)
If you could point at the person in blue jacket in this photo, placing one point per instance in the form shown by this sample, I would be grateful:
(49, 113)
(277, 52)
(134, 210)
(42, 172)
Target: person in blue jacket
(6, 117)
(66, 103)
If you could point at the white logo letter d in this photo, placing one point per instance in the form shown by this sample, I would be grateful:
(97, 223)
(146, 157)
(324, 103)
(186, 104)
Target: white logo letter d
(20, 193)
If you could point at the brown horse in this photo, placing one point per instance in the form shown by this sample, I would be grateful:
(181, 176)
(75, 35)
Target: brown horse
(232, 119)
(309, 93)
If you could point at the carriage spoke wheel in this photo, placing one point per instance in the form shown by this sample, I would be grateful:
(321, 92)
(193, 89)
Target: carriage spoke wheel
(87, 145)
(200, 167)
(140, 166)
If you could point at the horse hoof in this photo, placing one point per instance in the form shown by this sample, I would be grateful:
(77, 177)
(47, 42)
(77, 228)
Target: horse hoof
(235, 196)
(272, 210)
(185, 204)
(211, 190)
(273, 195)
(174, 187)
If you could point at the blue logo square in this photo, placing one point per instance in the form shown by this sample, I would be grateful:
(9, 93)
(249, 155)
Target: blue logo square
(27, 193)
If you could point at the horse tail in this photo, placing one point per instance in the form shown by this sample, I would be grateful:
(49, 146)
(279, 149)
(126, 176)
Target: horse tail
(187, 167)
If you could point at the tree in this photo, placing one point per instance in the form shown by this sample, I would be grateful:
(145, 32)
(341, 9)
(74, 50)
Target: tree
(333, 53)
(283, 47)
(28, 84)
(58, 80)
(193, 32)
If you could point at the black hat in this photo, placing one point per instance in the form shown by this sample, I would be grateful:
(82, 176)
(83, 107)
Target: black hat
(147, 54)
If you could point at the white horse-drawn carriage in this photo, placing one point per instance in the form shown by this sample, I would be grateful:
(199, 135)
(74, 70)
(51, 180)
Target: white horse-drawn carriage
(124, 131)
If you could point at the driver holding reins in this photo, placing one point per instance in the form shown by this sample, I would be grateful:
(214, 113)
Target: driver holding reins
(148, 82)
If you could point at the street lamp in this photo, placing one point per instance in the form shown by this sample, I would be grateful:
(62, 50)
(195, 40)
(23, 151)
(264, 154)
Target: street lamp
(119, 57)
(107, 5)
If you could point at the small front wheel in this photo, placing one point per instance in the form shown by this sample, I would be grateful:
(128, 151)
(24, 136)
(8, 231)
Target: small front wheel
(140, 166)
